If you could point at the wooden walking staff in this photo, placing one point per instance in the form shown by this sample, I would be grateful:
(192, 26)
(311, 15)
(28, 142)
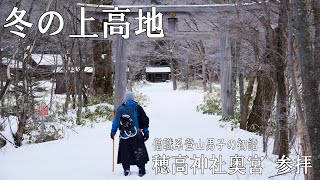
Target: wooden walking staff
(112, 155)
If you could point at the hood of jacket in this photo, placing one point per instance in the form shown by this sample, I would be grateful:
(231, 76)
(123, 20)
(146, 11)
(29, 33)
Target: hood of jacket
(131, 103)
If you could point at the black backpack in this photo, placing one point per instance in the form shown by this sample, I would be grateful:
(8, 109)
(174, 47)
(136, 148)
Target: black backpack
(126, 124)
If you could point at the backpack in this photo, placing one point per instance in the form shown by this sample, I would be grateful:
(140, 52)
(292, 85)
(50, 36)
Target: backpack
(143, 119)
(127, 124)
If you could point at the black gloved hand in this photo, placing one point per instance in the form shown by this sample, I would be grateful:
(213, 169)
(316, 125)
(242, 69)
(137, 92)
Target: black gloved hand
(146, 136)
(112, 134)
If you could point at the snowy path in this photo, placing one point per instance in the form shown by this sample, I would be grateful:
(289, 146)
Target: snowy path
(87, 155)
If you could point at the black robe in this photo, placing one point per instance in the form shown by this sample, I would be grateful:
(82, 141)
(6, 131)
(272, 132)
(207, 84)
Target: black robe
(133, 151)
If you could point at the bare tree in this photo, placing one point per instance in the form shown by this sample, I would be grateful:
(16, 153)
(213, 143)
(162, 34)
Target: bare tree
(309, 80)
(198, 47)
(24, 102)
(301, 123)
(263, 102)
(167, 49)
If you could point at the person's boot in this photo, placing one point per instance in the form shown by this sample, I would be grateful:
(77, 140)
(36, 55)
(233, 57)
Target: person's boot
(127, 172)
(142, 171)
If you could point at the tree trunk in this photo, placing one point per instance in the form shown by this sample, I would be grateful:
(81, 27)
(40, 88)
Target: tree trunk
(316, 20)
(74, 100)
(79, 82)
(18, 137)
(173, 76)
(210, 81)
(187, 84)
(67, 77)
(204, 74)
(282, 141)
(245, 99)
(24, 100)
(262, 104)
(227, 101)
(84, 95)
(186, 78)
(120, 71)
(66, 55)
(78, 96)
(66, 103)
(301, 124)
(4, 90)
(2, 142)
(309, 80)
(243, 118)
(52, 90)
(102, 59)
(235, 59)
(130, 79)
(247, 96)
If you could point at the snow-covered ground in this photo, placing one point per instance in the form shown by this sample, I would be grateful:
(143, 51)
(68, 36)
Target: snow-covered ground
(88, 154)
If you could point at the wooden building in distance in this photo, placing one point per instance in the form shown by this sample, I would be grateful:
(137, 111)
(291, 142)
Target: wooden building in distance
(157, 73)
(15, 68)
(45, 64)
(59, 77)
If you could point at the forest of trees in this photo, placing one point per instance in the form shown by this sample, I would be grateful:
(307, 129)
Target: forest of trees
(267, 52)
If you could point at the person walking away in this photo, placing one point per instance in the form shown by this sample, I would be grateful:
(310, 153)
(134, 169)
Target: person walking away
(133, 125)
